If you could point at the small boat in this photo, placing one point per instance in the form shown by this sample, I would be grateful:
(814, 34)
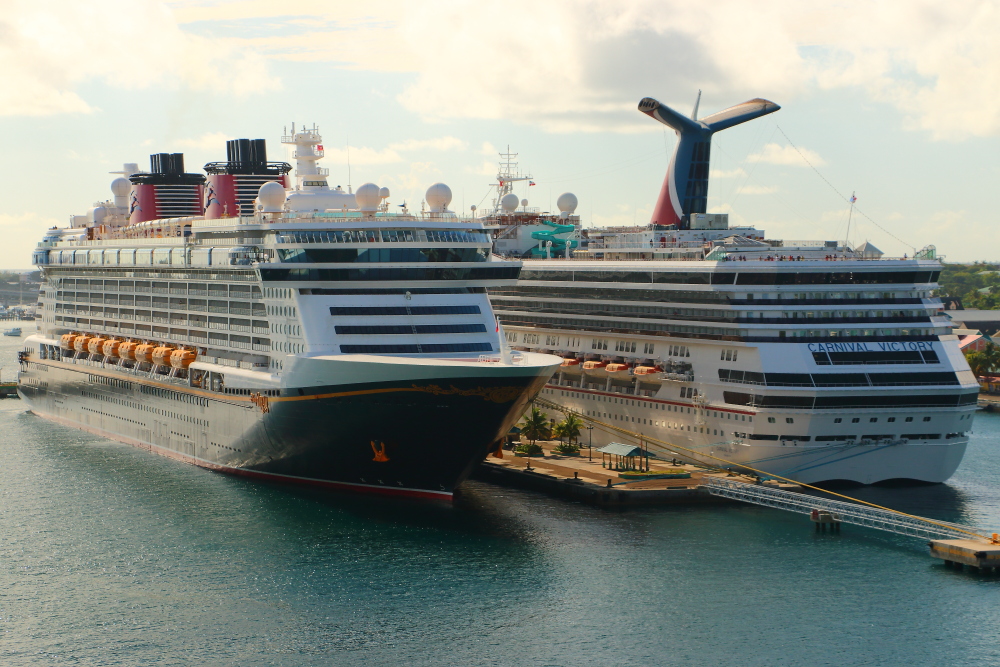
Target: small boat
(16, 331)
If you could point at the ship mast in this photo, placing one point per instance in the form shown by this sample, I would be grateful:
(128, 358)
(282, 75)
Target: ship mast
(507, 175)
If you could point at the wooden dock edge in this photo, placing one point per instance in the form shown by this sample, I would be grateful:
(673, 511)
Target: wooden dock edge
(592, 494)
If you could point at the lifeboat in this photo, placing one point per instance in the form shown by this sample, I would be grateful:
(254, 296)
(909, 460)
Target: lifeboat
(95, 345)
(126, 350)
(144, 352)
(80, 343)
(593, 365)
(646, 370)
(615, 368)
(570, 362)
(66, 341)
(161, 355)
(110, 347)
(182, 358)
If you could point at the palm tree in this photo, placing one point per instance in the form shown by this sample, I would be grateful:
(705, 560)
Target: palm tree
(570, 427)
(535, 425)
(984, 361)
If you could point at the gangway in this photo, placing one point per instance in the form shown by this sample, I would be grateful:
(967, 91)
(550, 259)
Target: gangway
(859, 515)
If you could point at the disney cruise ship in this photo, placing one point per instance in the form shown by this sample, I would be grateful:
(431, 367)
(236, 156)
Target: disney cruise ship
(817, 361)
(301, 334)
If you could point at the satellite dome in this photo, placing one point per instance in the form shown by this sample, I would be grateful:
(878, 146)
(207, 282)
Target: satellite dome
(383, 193)
(120, 187)
(524, 202)
(567, 202)
(509, 202)
(367, 197)
(271, 197)
(438, 197)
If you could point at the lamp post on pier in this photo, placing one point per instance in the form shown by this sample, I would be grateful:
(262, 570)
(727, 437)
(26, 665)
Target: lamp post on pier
(590, 447)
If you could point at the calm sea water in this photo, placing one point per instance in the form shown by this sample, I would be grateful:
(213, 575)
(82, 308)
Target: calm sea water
(113, 556)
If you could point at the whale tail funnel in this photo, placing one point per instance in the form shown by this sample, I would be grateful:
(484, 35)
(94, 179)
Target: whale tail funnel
(685, 188)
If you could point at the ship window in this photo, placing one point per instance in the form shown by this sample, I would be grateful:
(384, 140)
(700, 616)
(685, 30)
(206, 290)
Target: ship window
(789, 420)
(770, 420)
(927, 419)
(855, 420)
(837, 420)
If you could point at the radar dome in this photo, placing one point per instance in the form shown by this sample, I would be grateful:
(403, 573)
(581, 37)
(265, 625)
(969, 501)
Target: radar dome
(367, 197)
(120, 187)
(438, 197)
(567, 202)
(524, 202)
(271, 197)
(383, 193)
(509, 202)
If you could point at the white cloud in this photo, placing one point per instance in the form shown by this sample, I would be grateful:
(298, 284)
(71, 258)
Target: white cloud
(758, 190)
(210, 141)
(583, 65)
(362, 155)
(723, 173)
(787, 156)
(48, 50)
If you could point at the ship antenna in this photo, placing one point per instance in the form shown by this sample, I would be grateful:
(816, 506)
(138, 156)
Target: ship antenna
(849, 214)
(349, 191)
(697, 101)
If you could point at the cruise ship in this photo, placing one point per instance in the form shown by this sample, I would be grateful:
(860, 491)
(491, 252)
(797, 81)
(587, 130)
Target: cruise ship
(817, 361)
(280, 330)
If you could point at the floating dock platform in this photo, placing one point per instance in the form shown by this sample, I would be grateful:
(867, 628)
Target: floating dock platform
(974, 553)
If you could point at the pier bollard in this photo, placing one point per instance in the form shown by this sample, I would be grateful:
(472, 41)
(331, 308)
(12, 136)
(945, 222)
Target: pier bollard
(609, 482)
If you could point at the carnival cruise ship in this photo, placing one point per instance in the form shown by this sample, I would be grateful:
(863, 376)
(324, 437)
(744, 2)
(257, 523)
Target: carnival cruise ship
(291, 332)
(816, 361)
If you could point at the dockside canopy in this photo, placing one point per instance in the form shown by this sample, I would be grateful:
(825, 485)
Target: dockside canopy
(618, 449)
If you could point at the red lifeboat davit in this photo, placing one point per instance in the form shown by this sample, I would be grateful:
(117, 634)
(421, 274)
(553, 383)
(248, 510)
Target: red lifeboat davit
(570, 362)
(616, 368)
(594, 365)
(646, 370)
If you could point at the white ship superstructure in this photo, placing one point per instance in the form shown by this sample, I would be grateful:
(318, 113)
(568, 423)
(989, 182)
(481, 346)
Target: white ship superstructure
(303, 335)
(816, 361)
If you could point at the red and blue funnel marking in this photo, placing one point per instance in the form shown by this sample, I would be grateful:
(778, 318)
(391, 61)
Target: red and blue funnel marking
(685, 189)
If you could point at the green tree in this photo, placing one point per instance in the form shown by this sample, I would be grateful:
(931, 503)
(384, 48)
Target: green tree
(569, 428)
(985, 361)
(535, 425)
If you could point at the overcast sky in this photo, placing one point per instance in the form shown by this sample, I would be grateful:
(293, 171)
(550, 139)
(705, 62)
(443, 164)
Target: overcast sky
(896, 101)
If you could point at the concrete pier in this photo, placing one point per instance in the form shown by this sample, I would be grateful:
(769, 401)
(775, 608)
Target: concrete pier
(576, 478)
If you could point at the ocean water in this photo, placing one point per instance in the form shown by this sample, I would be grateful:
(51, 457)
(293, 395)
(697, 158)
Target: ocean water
(113, 556)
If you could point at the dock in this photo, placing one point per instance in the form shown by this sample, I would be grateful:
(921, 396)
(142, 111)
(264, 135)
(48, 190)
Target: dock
(579, 478)
(975, 554)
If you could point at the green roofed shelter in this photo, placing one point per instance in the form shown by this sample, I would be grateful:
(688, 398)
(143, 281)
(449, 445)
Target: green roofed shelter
(622, 457)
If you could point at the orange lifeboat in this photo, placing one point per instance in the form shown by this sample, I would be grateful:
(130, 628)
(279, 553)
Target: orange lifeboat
(182, 358)
(161, 355)
(80, 343)
(126, 350)
(110, 348)
(646, 370)
(66, 341)
(570, 362)
(95, 345)
(144, 352)
(614, 368)
(592, 365)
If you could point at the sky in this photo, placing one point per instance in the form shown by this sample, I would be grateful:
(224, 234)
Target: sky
(894, 101)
